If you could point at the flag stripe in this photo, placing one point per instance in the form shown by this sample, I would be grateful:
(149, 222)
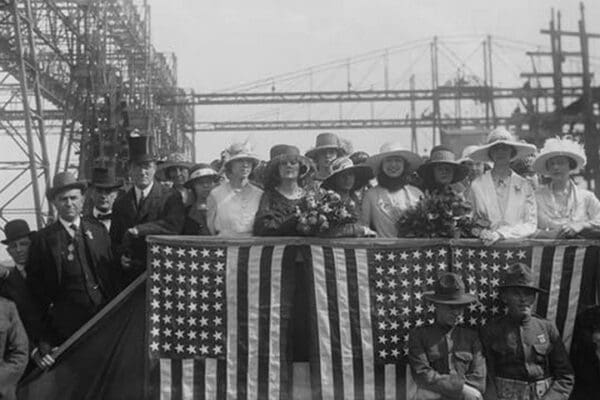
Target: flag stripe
(401, 388)
(176, 379)
(165, 379)
(353, 293)
(390, 382)
(322, 316)
(199, 390)
(187, 379)
(545, 273)
(574, 295)
(274, 333)
(242, 322)
(366, 331)
(232, 272)
(253, 272)
(566, 277)
(210, 378)
(341, 279)
(264, 324)
(221, 379)
(332, 299)
(555, 274)
(379, 381)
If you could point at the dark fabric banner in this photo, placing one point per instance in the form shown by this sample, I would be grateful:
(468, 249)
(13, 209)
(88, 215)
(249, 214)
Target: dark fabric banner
(106, 362)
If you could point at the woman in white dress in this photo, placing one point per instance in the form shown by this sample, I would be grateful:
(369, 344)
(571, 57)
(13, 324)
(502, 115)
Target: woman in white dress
(499, 197)
(384, 204)
(233, 204)
(564, 210)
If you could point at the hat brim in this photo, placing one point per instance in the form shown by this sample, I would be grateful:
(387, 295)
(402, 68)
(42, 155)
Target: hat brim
(537, 289)
(425, 171)
(305, 162)
(189, 184)
(413, 160)
(113, 185)
(161, 170)
(539, 164)
(464, 299)
(28, 234)
(362, 175)
(312, 153)
(50, 193)
(521, 150)
(246, 156)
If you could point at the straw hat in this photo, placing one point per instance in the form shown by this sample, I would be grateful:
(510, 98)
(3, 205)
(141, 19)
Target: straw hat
(555, 147)
(466, 152)
(362, 173)
(390, 149)
(449, 289)
(239, 151)
(200, 171)
(519, 275)
(178, 160)
(15, 230)
(64, 181)
(284, 152)
(501, 136)
(326, 141)
(442, 155)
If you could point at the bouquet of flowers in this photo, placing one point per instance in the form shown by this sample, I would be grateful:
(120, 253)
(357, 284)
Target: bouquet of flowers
(440, 215)
(320, 212)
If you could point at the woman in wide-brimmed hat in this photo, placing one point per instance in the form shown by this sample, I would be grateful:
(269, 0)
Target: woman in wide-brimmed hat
(439, 371)
(233, 204)
(203, 178)
(284, 180)
(175, 169)
(346, 179)
(383, 204)
(564, 210)
(441, 172)
(328, 147)
(500, 198)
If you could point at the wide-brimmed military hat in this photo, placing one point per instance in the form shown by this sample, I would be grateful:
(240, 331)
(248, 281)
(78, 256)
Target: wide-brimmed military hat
(64, 181)
(442, 155)
(283, 152)
(326, 141)
(362, 173)
(201, 171)
(449, 288)
(501, 136)
(519, 275)
(104, 178)
(15, 230)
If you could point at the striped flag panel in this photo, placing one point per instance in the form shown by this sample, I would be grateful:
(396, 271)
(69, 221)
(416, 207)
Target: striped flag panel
(217, 321)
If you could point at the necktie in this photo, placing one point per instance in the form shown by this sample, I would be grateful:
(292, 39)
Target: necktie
(74, 227)
(141, 199)
(104, 217)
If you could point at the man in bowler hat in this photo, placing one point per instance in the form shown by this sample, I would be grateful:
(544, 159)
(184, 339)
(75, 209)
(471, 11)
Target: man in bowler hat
(13, 284)
(103, 192)
(148, 208)
(446, 360)
(70, 270)
(525, 354)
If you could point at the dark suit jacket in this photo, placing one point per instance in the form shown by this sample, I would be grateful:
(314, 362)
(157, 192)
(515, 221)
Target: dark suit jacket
(44, 267)
(15, 288)
(161, 213)
(14, 353)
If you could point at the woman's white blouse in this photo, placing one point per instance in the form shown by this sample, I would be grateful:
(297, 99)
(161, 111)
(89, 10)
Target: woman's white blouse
(231, 211)
(582, 206)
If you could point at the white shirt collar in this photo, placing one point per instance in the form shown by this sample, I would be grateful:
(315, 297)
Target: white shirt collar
(96, 212)
(145, 192)
(67, 225)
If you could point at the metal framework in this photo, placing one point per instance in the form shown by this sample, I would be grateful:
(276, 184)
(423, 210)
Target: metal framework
(86, 73)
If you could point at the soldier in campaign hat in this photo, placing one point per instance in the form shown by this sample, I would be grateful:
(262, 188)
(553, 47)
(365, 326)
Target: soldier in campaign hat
(525, 354)
(148, 208)
(446, 359)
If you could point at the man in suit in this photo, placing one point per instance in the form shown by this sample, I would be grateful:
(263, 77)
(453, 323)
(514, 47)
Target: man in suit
(148, 208)
(13, 349)
(70, 269)
(13, 283)
(103, 192)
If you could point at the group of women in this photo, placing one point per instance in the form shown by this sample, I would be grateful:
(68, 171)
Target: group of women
(384, 187)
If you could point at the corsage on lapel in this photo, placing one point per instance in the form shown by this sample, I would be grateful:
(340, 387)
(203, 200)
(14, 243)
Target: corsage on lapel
(88, 233)
(517, 188)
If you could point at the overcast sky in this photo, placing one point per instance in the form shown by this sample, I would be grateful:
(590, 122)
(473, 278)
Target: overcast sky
(223, 43)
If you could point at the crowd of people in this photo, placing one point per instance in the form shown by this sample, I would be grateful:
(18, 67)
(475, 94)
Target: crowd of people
(65, 273)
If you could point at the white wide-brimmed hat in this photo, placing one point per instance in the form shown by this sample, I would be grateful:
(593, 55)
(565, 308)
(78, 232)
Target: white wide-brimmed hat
(555, 147)
(390, 149)
(362, 173)
(501, 136)
(467, 152)
(238, 151)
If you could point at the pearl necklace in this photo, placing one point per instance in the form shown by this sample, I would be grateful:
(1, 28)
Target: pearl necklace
(560, 208)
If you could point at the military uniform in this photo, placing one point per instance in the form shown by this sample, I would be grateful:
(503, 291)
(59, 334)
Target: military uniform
(435, 351)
